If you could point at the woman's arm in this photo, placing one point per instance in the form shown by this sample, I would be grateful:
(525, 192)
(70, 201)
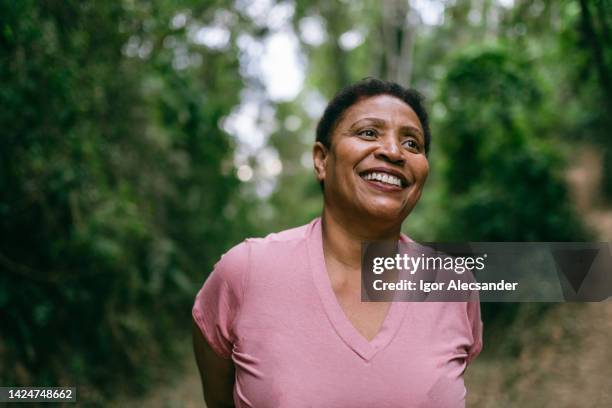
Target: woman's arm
(217, 373)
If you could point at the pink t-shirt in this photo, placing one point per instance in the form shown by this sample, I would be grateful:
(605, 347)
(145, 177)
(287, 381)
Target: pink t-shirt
(269, 306)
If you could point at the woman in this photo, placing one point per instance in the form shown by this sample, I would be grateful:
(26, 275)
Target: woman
(280, 322)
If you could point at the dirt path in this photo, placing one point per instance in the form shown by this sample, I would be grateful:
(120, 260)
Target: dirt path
(566, 359)
(584, 179)
(183, 390)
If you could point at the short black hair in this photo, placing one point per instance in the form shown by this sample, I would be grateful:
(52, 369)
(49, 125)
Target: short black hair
(367, 88)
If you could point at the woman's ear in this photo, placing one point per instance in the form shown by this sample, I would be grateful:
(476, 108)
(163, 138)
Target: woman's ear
(319, 158)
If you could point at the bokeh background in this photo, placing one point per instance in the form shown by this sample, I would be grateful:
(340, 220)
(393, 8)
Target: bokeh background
(141, 140)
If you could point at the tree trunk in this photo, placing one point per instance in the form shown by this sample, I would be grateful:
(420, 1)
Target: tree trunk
(397, 33)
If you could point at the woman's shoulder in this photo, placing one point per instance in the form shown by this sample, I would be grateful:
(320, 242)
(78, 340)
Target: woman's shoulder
(232, 270)
(237, 258)
(292, 234)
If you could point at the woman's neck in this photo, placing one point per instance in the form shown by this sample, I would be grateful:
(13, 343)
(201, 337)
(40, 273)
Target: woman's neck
(342, 238)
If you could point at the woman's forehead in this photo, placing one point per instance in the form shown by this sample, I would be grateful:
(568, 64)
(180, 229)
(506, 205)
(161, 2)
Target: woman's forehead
(382, 107)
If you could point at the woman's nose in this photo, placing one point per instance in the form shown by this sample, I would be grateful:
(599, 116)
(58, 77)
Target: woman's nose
(390, 151)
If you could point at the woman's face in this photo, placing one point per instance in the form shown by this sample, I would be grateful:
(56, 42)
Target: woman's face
(376, 166)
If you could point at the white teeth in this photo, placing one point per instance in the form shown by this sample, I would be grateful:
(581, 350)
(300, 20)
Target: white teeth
(384, 178)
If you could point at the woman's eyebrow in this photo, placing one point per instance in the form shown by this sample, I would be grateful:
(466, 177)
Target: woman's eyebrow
(378, 122)
(373, 121)
(411, 129)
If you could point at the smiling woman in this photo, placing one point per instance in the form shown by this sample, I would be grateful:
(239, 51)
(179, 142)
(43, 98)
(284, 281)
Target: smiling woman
(378, 141)
(280, 321)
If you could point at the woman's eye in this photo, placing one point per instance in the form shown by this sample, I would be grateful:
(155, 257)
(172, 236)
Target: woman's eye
(368, 133)
(412, 145)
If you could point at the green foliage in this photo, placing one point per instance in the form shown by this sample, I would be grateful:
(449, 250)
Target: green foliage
(502, 176)
(503, 180)
(112, 197)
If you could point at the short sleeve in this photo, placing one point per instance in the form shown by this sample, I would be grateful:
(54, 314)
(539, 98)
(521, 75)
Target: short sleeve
(218, 302)
(473, 312)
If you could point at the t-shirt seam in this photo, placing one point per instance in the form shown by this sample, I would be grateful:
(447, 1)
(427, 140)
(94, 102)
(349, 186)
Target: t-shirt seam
(245, 283)
(207, 335)
(272, 241)
(474, 349)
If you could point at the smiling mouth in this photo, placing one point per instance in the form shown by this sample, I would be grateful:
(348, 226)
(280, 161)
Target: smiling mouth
(385, 179)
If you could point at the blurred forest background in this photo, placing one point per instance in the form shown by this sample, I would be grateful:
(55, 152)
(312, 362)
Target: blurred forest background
(141, 140)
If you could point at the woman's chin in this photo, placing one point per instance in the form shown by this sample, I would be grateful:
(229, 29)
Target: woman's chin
(387, 214)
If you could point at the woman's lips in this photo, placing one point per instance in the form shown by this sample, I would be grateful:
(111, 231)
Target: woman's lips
(385, 175)
(381, 186)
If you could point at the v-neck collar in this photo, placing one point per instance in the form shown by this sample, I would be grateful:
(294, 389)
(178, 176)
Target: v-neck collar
(338, 319)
